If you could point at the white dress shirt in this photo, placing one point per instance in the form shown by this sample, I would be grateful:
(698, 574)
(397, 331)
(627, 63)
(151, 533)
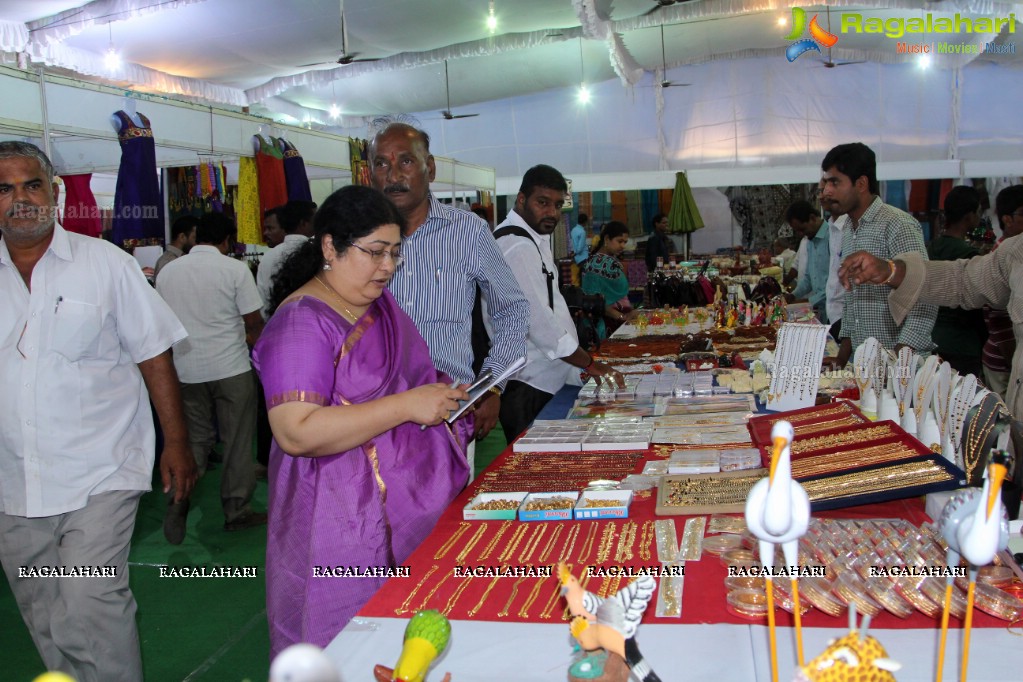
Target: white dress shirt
(834, 291)
(74, 413)
(270, 262)
(552, 334)
(210, 292)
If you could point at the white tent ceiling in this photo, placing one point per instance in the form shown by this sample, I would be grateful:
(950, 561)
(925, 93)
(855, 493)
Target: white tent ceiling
(521, 78)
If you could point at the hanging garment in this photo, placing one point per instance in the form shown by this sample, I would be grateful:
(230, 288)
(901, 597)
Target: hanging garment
(138, 204)
(294, 174)
(81, 214)
(246, 206)
(273, 188)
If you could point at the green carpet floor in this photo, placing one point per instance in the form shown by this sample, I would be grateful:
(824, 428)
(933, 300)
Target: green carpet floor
(191, 629)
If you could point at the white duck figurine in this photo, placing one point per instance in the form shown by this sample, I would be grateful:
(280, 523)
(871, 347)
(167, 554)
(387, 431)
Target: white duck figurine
(778, 513)
(976, 527)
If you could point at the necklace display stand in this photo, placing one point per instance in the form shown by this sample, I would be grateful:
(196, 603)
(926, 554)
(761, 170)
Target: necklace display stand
(798, 354)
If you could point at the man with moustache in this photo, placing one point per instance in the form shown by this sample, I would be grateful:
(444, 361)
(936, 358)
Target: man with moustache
(85, 347)
(553, 354)
(448, 252)
(849, 187)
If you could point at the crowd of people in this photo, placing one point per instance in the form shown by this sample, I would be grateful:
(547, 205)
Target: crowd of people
(358, 332)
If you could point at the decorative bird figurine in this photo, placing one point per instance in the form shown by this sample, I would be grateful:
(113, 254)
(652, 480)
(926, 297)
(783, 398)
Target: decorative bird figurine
(857, 657)
(303, 663)
(426, 637)
(975, 526)
(778, 513)
(610, 623)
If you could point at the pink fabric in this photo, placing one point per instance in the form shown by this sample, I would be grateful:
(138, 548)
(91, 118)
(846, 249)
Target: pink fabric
(330, 511)
(81, 214)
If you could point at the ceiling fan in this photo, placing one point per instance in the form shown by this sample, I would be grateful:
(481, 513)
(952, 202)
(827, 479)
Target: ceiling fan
(448, 116)
(661, 4)
(829, 63)
(345, 57)
(664, 68)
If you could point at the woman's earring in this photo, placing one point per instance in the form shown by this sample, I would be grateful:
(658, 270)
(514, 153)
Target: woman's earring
(326, 265)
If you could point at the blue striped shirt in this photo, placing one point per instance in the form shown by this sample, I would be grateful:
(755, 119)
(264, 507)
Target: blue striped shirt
(445, 258)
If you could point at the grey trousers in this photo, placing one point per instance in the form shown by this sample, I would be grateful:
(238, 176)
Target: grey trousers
(234, 400)
(82, 626)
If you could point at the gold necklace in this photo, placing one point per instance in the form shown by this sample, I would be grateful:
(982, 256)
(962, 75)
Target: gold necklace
(446, 547)
(606, 540)
(513, 543)
(457, 593)
(408, 600)
(486, 593)
(472, 543)
(549, 547)
(588, 544)
(432, 592)
(528, 604)
(566, 551)
(489, 549)
(534, 541)
(507, 605)
(352, 317)
(644, 542)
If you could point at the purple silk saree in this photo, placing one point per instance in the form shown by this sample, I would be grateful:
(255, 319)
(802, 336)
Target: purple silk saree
(367, 507)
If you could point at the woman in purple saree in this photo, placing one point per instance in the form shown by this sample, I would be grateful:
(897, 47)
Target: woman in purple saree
(354, 481)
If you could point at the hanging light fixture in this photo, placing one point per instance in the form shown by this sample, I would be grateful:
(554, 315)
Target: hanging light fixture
(584, 92)
(335, 110)
(112, 58)
(492, 19)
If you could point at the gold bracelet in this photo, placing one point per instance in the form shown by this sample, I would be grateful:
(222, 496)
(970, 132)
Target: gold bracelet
(507, 605)
(546, 553)
(489, 549)
(446, 547)
(591, 535)
(531, 546)
(566, 551)
(432, 592)
(457, 593)
(513, 542)
(460, 559)
(408, 600)
(606, 540)
(486, 593)
(644, 541)
(528, 604)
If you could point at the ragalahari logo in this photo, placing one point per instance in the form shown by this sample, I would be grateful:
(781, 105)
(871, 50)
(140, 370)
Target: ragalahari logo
(818, 36)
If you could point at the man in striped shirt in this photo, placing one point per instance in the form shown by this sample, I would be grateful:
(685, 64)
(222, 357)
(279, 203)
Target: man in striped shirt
(448, 252)
(848, 186)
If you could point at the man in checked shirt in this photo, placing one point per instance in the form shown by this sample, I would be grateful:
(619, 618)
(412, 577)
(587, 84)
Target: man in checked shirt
(848, 186)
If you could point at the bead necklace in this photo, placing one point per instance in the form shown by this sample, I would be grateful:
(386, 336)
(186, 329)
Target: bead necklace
(975, 439)
(352, 317)
(408, 600)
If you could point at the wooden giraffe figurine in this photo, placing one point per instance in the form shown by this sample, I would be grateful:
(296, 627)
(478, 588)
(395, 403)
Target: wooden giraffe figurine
(857, 657)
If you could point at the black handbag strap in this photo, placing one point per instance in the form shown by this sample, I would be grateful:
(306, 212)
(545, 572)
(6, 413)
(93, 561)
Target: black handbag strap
(509, 230)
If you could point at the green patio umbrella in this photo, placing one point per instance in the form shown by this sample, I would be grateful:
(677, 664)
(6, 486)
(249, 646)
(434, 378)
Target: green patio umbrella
(684, 217)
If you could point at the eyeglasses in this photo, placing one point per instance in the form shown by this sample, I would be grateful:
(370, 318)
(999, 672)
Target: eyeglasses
(378, 254)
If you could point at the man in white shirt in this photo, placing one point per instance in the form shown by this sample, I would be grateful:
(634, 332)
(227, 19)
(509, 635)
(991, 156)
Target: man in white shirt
(296, 219)
(553, 354)
(86, 347)
(216, 299)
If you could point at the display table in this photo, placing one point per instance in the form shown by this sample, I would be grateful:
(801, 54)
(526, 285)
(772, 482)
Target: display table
(524, 611)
